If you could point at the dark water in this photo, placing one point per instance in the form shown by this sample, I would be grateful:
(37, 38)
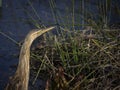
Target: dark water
(18, 19)
(15, 23)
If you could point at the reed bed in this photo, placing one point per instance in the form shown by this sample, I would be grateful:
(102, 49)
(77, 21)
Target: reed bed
(81, 55)
(84, 51)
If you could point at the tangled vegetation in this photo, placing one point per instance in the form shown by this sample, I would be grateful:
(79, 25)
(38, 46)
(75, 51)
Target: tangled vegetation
(79, 62)
(73, 59)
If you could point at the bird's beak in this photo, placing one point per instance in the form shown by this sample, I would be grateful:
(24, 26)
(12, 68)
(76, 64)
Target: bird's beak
(42, 31)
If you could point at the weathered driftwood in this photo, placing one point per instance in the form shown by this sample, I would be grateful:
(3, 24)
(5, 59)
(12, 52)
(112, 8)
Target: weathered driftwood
(20, 80)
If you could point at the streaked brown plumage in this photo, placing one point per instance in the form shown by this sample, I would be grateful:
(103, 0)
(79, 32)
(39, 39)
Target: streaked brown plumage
(20, 80)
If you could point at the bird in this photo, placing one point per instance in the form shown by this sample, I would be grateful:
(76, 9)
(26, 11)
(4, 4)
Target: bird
(20, 80)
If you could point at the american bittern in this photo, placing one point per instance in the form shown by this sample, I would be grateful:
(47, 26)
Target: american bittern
(20, 80)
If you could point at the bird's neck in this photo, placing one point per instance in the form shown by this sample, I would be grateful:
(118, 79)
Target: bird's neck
(23, 66)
